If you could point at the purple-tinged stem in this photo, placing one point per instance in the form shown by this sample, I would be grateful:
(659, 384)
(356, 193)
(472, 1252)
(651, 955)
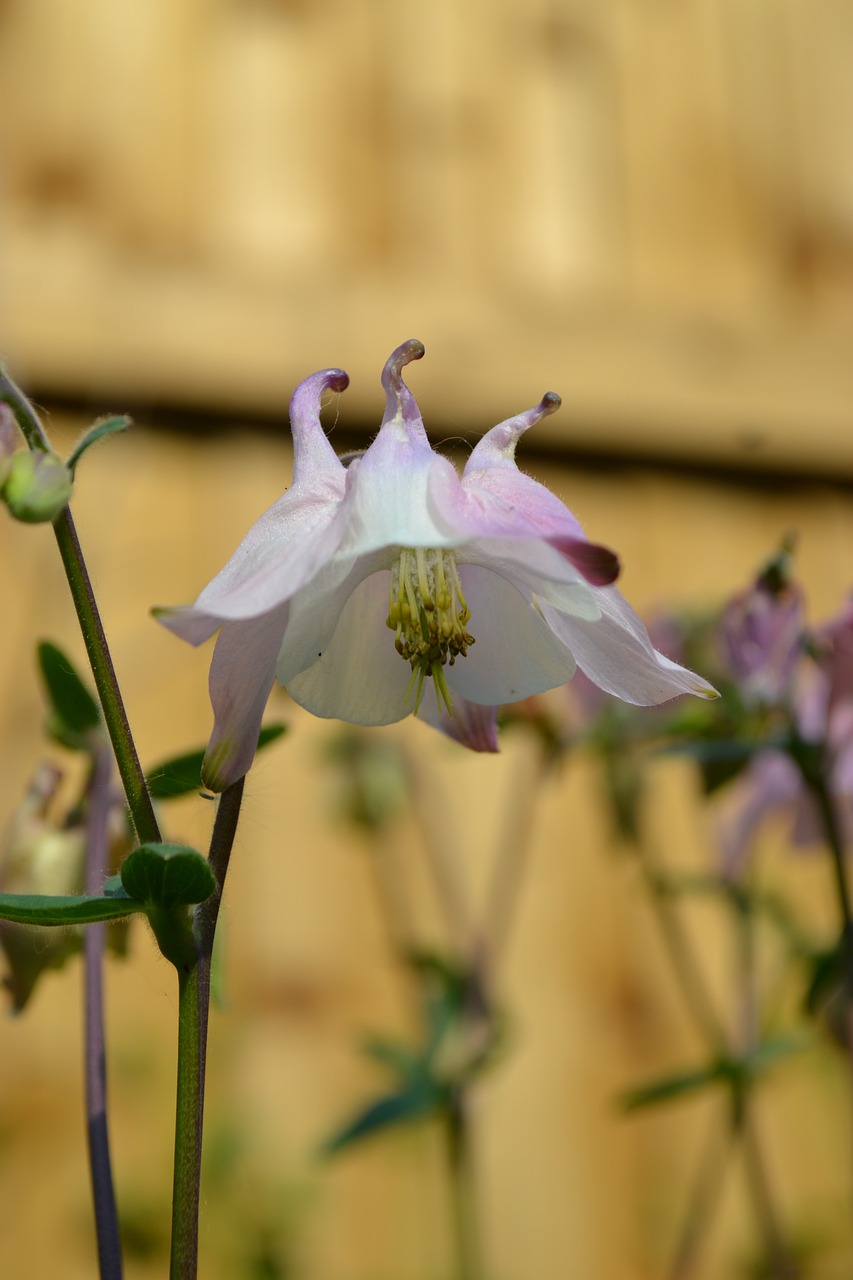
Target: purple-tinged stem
(103, 1193)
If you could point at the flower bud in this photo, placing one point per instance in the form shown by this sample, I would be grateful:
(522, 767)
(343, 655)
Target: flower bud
(37, 487)
(39, 857)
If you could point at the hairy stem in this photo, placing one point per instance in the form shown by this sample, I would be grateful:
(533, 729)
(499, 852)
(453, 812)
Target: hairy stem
(25, 415)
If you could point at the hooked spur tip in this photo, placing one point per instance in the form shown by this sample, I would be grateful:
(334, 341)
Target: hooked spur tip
(336, 380)
(400, 403)
(403, 355)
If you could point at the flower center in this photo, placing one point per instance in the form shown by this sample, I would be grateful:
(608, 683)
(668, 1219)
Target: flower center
(428, 612)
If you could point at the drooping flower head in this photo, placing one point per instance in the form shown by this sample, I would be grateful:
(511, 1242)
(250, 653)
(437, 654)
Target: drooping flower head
(817, 734)
(761, 631)
(395, 586)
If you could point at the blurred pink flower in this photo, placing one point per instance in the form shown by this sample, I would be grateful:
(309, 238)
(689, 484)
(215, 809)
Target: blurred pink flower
(399, 541)
(760, 634)
(774, 784)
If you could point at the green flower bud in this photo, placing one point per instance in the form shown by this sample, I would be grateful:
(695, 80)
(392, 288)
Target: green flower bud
(37, 487)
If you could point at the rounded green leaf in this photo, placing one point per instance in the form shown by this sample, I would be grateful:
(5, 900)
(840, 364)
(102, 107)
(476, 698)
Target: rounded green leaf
(167, 875)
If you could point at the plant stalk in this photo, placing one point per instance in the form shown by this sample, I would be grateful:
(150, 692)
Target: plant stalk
(469, 1261)
(193, 1016)
(97, 865)
(115, 716)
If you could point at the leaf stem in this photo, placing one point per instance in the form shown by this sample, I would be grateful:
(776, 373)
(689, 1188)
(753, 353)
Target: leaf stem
(193, 1015)
(103, 1193)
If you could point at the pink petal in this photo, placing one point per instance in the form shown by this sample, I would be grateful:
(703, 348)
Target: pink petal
(471, 725)
(495, 499)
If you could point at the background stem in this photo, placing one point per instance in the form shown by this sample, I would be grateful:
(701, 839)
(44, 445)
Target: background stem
(103, 1193)
(462, 1190)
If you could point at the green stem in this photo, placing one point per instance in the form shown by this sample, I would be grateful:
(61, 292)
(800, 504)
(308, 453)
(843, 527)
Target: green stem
(681, 955)
(97, 1132)
(25, 415)
(704, 1200)
(782, 1265)
(462, 1190)
(133, 779)
(193, 1015)
(514, 839)
(823, 797)
(779, 1261)
(188, 1127)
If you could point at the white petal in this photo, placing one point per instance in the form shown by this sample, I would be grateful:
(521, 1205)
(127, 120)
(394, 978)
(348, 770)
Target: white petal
(241, 675)
(387, 502)
(316, 611)
(516, 654)
(280, 553)
(617, 654)
(360, 677)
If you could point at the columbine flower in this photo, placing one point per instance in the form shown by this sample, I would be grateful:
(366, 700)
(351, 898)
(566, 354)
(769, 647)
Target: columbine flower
(774, 784)
(364, 586)
(761, 632)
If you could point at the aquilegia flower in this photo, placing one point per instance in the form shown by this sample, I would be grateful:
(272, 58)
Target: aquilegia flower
(365, 585)
(817, 738)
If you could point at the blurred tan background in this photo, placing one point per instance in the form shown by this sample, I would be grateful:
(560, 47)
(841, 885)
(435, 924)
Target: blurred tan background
(646, 205)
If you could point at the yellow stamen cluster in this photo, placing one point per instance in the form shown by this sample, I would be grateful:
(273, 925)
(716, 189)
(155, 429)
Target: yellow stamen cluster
(428, 613)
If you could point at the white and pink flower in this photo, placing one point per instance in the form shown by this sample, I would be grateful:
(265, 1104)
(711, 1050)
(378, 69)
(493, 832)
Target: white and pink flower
(363, 583)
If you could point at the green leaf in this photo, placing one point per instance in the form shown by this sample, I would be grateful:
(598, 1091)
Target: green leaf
(270, 733)
(675, 1086)
(772, 1051)
(737, 1072)
(42, 909)
(167, 875)
(181, 775)
(422, 1099)
(104, 427)
(74, 709)
(399, 1057)
(176, 777)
